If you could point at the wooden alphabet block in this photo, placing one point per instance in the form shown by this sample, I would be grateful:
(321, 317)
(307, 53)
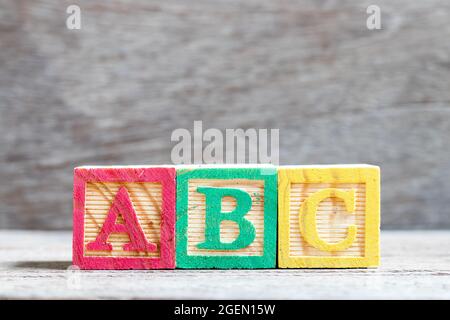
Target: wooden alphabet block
(124, 218)
(329, 216)
(226, 217)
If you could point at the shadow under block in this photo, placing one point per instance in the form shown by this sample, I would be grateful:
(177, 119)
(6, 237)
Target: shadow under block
(124, 218)
(226, 218)
(329, 216)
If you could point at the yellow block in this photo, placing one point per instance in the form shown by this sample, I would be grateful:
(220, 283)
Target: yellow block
(329, 216)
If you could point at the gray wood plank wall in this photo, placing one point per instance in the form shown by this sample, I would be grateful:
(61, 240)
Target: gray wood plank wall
(112, 92)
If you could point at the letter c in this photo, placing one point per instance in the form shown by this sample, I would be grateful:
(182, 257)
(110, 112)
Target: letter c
(308, 216)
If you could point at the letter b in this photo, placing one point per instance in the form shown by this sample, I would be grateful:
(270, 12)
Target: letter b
(214, 216)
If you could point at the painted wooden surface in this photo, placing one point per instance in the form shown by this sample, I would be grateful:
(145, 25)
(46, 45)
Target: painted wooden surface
(113, 210)
(147, 200)
(113, 92)
(241, 229)
(414, 264)
(229, 230)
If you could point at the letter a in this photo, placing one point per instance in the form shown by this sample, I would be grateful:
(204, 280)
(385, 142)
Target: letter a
(123, 206)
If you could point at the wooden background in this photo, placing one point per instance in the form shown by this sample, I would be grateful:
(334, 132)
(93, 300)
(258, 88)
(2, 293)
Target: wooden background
(112, 92)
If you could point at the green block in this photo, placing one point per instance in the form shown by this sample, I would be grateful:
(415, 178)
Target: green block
(243, 234)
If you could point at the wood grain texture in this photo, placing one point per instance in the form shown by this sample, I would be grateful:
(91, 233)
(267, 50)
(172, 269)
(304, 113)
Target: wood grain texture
(415, 265)
(113, 92)
(332, 220)
(229, 230)
(147, 202)
(259, 185)
(124, 218)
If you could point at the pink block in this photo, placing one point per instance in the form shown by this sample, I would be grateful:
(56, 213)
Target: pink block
(124, 218)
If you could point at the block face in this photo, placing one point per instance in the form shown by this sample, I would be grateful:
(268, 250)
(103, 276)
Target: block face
(332, 219)
(328, 216)
(249, 189)
(146, 198)
(124, 218)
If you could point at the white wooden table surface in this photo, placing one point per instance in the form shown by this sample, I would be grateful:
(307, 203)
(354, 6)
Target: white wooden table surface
(415, 265)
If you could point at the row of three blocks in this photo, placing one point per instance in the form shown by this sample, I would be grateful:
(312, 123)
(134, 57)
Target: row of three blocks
(252, 216)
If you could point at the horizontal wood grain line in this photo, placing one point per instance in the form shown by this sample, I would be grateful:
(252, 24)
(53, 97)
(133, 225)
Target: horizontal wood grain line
(327, 226)
(247, 250)
(157, 195)
(131, 188)
(357, 246)
(225, 233)
(229, 203)
(136, 202)
(147, 199)
(311, 249)
(137, 209)
(334, 219)
(244, 183)
(193, 189)
(225, 208)
(147, 228)
(323, 233)
(250, 217)
(92, 227)
(299, 194)
(122, 183)
(249, 184)
(357, 243)
(202, 201)
(352, 254)
(116, 235)
(244, 254)
(201, 222)
(296, 188)
(105, 209)
(121, 254)
(357, 191)
(154, 237)
(113, 191)
(322, 185)
(331, 235)
(330, 213)
(359, 201)
(142, 217)
(359, 205)
(196, 224)
(355, 251)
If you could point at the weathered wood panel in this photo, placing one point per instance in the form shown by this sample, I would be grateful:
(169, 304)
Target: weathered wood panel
(414, 265)
(113, 92)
